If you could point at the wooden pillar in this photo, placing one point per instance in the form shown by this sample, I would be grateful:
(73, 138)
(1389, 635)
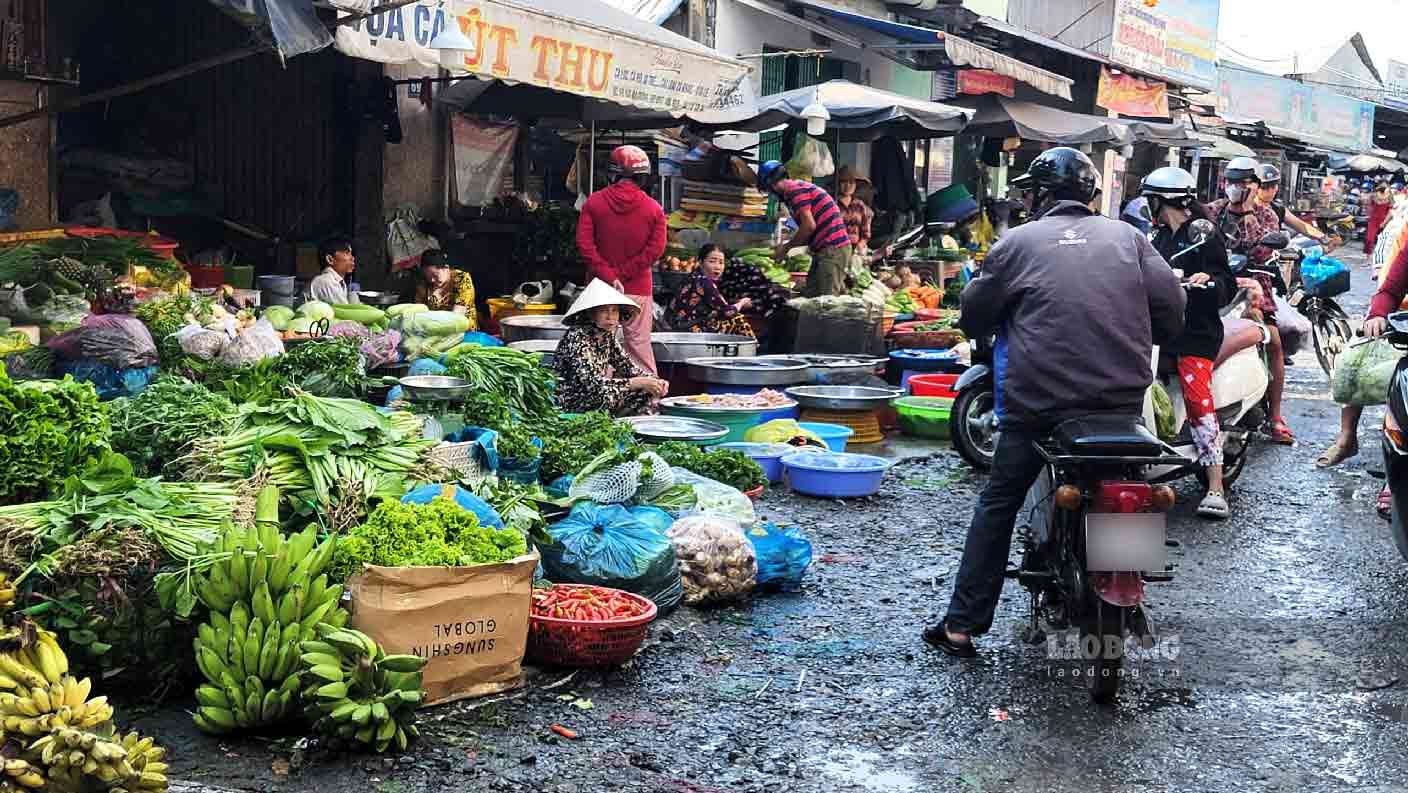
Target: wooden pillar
(365, 163)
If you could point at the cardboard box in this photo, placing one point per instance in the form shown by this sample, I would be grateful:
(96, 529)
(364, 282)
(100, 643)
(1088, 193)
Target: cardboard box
(470, 622)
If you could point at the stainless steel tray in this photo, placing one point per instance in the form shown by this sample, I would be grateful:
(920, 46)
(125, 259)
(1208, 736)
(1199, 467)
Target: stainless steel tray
(547, 348)
(760, 371)
(683, 403)
(675, 428)
(529, 327)
(378, 298)
(673, 347)
(435, 388)
(819, 366)
(842, 397)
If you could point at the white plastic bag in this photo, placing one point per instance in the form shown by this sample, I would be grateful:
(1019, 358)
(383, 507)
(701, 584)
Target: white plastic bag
(253, 345)
(404, 241)
(717, 498)
(811, 160)
(1293, 325)
(716, 560)
(204, 344)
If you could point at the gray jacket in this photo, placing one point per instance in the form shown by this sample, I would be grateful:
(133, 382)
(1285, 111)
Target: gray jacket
(1077, 300)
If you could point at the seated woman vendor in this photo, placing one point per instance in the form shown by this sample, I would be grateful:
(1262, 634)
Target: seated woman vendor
(593, 370)
(701, 308)
(441, 288)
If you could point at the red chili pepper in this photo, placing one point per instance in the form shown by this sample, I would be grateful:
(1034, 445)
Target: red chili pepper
(570, 735)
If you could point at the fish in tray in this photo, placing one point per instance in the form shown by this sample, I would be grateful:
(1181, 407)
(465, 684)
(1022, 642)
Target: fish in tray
(766, 398)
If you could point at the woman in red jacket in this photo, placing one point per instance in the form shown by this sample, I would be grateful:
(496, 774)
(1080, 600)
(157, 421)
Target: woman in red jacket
(1392, 290)
(620, 234)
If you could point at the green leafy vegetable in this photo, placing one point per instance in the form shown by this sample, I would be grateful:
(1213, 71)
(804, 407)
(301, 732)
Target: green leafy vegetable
(48, 428)
(154, 427)
(728, 466)
(330, 367)
(441, 533)
(570, 444)
(525, 385)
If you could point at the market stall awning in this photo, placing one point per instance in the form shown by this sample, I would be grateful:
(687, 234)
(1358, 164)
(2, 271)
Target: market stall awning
(1365, 163)
(1000, 117)
(290, 26)
(960, 51)
(1221, 148)
(587, 48)
(858, 113)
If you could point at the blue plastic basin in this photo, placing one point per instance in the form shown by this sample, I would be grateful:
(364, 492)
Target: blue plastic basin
(767, 415)
(833, 475)
(833, 435)
(767, 455)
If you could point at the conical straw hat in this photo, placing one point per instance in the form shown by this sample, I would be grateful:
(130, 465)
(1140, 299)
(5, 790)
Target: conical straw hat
(599, 293)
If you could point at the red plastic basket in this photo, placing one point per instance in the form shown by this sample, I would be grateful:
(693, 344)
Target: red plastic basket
(564, 642)
(754, 494)
(935, 385)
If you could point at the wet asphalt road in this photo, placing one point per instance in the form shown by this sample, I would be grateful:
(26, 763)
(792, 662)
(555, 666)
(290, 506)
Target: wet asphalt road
(1284, 642)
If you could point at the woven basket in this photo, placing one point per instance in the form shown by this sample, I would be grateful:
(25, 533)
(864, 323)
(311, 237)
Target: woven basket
(460, 458)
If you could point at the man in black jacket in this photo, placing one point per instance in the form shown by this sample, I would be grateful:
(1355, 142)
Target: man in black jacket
(1077, 301)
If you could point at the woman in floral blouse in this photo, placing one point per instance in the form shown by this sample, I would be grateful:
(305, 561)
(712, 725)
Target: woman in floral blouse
(593, 370)
(443, 289)
(701, 308)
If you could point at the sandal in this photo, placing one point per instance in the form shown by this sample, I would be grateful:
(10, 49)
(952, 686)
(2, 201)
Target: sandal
(1281, 432)
(1336, 454)
(937, 636)
(1214, 506)
(1385, 505)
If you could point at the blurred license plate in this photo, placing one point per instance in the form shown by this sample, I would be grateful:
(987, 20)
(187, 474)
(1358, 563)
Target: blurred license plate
(1125, 541)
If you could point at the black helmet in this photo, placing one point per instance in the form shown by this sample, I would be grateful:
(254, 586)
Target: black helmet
(1242, 168)
(1268, 174)
(1063, 174)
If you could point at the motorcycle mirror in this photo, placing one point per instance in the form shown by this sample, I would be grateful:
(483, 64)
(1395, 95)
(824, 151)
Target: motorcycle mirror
(1200, 231)
(1276, 240)
(1237, 262)
(1398, 322)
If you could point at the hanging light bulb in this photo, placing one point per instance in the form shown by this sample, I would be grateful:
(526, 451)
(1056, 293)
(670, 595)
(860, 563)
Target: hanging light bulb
(454, 46)
(816, 115)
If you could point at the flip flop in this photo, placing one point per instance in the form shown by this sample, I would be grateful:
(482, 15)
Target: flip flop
(1385, 505)
(1214, 506)
(1336, 454)
(937, 636)
(1281, 433)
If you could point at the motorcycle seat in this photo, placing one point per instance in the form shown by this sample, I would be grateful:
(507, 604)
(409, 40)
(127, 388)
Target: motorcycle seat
(1106, 436)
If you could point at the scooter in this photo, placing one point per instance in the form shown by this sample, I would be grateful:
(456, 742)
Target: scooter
(1395, 433)
(1330, 329)
(973, 419)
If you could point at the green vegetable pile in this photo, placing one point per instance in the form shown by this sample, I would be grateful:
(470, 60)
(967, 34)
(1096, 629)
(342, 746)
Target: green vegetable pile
(154, 428)
(48, 429)
(516, 443)
(762, 258)
(570, 444)
(525, 385)
(733, 468)
(330, 367)
(441, 533)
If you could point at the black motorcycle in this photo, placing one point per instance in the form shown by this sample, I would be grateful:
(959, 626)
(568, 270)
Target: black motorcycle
(1330, 329)
(1095, 535)
(1395, 433)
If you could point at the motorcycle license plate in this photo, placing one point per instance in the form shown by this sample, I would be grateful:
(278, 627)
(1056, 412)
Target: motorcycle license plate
(1125, 541)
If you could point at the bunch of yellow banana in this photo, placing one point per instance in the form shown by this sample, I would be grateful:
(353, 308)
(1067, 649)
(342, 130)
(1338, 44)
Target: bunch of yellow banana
(355, 691)
(266, 597)
(21, 775)
(7, 592)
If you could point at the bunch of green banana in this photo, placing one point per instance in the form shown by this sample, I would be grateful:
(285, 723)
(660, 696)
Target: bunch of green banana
(61, 739)
(7, 592)
(355, 691)
(265, 597)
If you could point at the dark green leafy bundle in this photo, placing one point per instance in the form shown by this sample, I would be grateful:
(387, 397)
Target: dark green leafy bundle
(516, 443)
(549, 237)
(570, 444)
(517, 376)
(486, 409)
(154, 428)
(329, 367)
(257, 384)
(441, 533)
(728, 466)
(48, 428)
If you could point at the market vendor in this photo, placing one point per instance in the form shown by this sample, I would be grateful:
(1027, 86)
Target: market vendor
(593, 370)
(854, 212)
(441, 288)
(330, 286)
(820, 227)
(700, 306)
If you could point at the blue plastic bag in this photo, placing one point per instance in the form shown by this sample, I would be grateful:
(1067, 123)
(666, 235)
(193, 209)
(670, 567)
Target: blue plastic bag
(426, 366)
(110, 383)
(1324, 276)
(524, 472)
(481, 339)
(487, 515)
(615, 546)
(561, 487)
(784, 555)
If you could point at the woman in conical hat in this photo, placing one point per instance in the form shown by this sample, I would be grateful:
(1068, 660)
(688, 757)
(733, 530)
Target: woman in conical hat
(593, 370)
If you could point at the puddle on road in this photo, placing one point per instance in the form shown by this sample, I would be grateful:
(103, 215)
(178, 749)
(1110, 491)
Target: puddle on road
(867, 770)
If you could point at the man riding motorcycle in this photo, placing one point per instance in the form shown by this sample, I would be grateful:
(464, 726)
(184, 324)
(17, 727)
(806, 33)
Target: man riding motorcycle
(1270, 177)
(1171, 193)
(1244, 222)
(1077, 300)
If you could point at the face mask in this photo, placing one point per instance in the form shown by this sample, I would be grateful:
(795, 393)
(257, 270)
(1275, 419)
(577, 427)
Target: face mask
(1236, 193)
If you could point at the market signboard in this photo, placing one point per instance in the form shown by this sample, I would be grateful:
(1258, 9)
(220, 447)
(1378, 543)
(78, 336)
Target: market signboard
(1313, 114)
(1132, 96)
(982, 81)
(520, 45)
(1175, 39)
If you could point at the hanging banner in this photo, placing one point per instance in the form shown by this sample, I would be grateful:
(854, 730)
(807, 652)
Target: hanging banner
(982, 81)
(1292, 108)
(483, 159)
(1174, 39)
(526, 45)
(1132, 96)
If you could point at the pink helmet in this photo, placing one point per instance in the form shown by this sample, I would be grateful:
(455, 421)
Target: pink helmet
(629, 160)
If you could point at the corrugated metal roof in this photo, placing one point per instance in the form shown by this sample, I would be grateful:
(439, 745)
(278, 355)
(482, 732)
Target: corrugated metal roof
(652, 11)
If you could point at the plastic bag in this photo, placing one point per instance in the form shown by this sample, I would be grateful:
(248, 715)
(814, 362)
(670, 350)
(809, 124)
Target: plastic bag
(1293, 326)
(253, 345)
(1363, 372)
(615, 546)
(1324, 276)
(196, 340)
(488, 516)
(486, 449)
(425, 366)
(382, 349)
(479, 339)
(13, 342)
(436, 323)
(347, 327)
(404, 241)
(625, 481)
(396, 315)
(783, 431)
(109, 382)
(717, 563)
(1163, 412)
(524, 472)
(716, 498)
(116, 340)
(811, 159)
(784, 554)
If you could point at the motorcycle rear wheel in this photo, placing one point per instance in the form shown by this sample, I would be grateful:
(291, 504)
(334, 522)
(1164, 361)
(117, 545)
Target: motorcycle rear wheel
(1399, 531)
(1331, 336)
(1106, 670)
(971, 428)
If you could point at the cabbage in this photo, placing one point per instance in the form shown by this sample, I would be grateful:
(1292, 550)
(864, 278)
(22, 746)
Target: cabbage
(316, 310)
(279, 316)
(436, 323)
(397, 315)
(301, 324)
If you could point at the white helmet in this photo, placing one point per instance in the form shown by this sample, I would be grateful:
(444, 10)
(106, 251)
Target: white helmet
(1169, 183)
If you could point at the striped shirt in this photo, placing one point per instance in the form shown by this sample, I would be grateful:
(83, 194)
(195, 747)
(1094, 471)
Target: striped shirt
(830, 226)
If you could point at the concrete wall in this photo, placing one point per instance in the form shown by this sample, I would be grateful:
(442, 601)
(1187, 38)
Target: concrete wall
(415, 167)
(26, 155)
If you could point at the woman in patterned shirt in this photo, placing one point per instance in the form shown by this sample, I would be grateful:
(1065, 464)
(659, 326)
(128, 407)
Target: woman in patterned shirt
(701, 308)
(443, 289)
(593, 370)
(854, 212)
